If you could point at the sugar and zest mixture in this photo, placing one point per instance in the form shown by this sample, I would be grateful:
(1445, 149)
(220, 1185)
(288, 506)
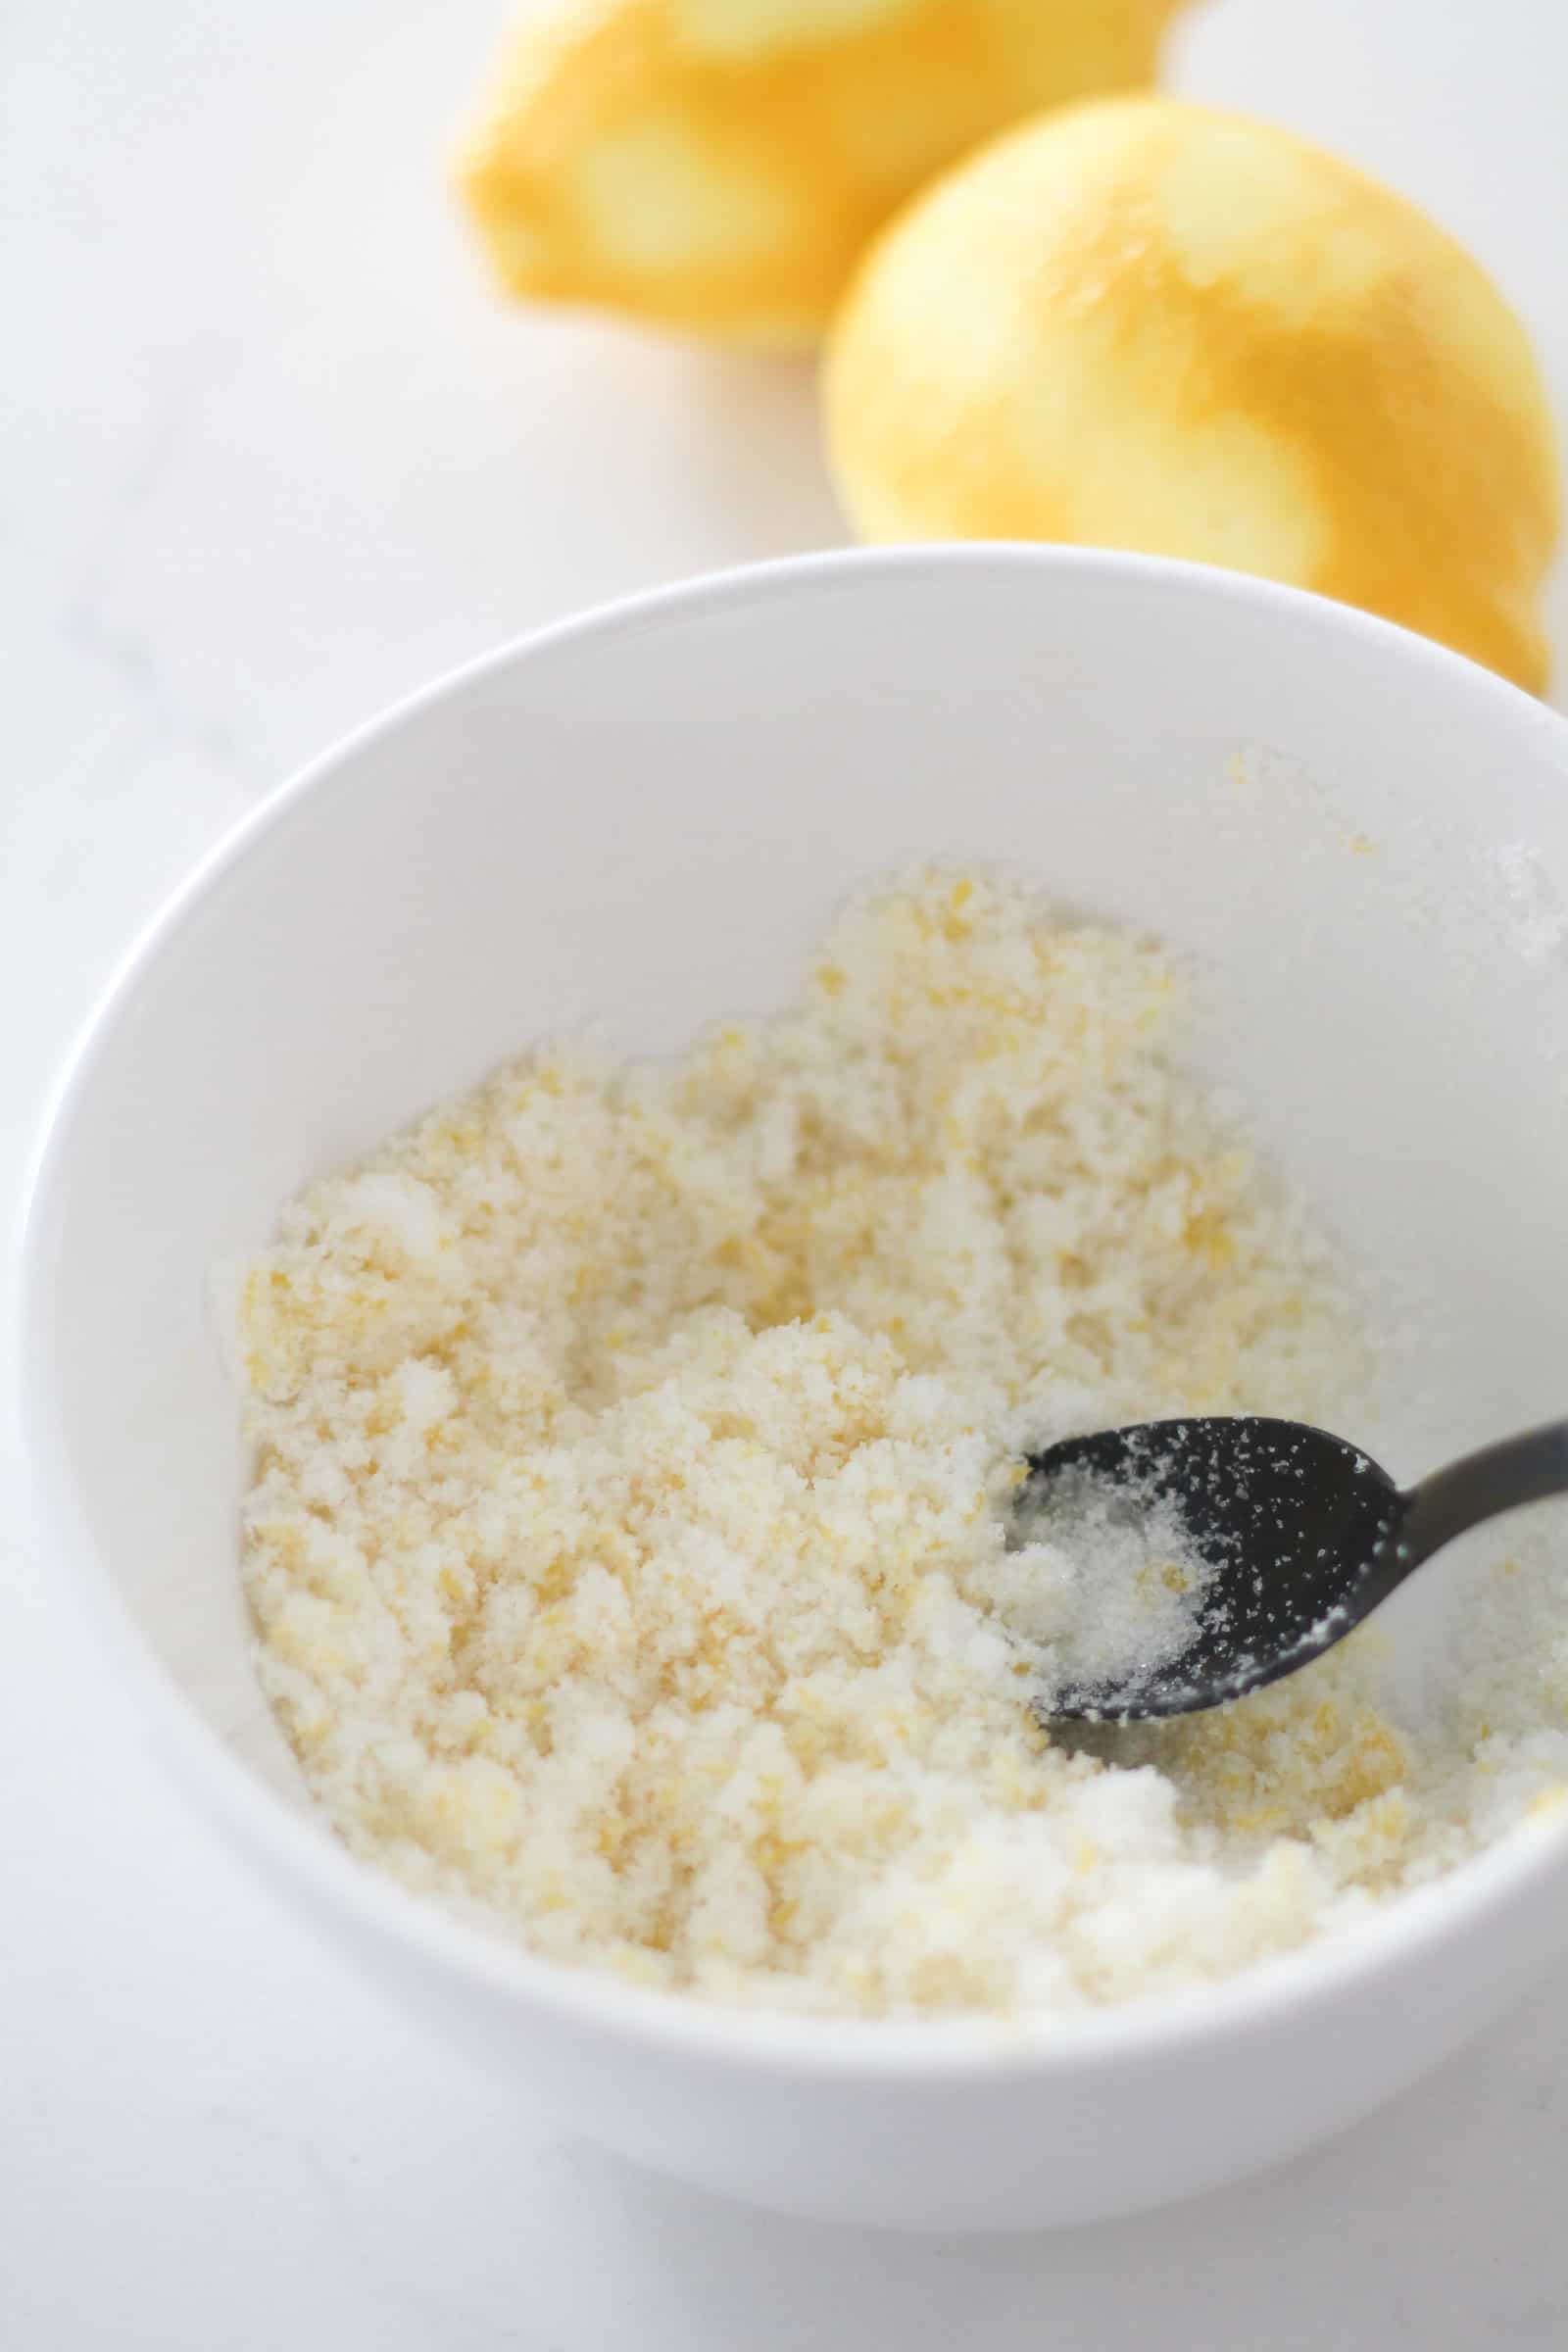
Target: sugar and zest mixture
(1139, 1579)
(635, 1444)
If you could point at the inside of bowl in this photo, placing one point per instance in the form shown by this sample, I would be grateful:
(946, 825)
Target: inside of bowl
(644, 823)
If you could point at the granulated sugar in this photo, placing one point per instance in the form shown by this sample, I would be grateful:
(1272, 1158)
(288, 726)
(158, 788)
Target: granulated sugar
(1109, 1582)
(629, 1542)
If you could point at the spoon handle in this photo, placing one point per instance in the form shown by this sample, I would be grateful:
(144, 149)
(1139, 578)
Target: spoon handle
(1499, 1478)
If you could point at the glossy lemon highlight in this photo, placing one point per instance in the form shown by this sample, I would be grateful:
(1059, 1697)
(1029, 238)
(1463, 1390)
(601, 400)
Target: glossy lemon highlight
(1139, 323)
(718, 165)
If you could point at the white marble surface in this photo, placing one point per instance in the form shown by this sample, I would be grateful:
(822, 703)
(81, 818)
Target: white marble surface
(272, 458)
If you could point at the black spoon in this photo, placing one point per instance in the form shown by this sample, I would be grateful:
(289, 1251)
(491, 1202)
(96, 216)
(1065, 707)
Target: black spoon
(1302, 1533)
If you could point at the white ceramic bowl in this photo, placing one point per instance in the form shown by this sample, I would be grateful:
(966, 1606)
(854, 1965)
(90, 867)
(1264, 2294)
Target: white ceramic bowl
(643, 815)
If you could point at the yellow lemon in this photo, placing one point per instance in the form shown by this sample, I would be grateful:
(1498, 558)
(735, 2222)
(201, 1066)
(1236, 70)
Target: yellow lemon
(717, 166)
(1138, 324)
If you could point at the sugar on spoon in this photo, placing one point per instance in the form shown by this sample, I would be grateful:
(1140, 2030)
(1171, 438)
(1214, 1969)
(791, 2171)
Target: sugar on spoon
(1299, 1534)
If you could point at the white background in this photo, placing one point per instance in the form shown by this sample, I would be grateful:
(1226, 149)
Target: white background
(272, 458)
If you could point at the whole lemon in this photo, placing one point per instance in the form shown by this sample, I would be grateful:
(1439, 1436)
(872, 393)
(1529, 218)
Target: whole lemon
(717, 166)
(1139, 323)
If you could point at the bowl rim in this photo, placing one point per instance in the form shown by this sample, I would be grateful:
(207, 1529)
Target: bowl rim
(298, 1848)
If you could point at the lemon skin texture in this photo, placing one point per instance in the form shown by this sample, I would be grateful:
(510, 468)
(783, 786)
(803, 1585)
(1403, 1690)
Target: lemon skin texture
(717, 167)
(1139, 323)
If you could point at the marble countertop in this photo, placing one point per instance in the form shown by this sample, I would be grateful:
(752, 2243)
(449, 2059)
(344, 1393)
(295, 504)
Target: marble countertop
(273, 459)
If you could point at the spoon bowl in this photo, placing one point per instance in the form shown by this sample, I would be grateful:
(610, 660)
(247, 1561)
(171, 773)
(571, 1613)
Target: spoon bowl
(1299, 1535)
